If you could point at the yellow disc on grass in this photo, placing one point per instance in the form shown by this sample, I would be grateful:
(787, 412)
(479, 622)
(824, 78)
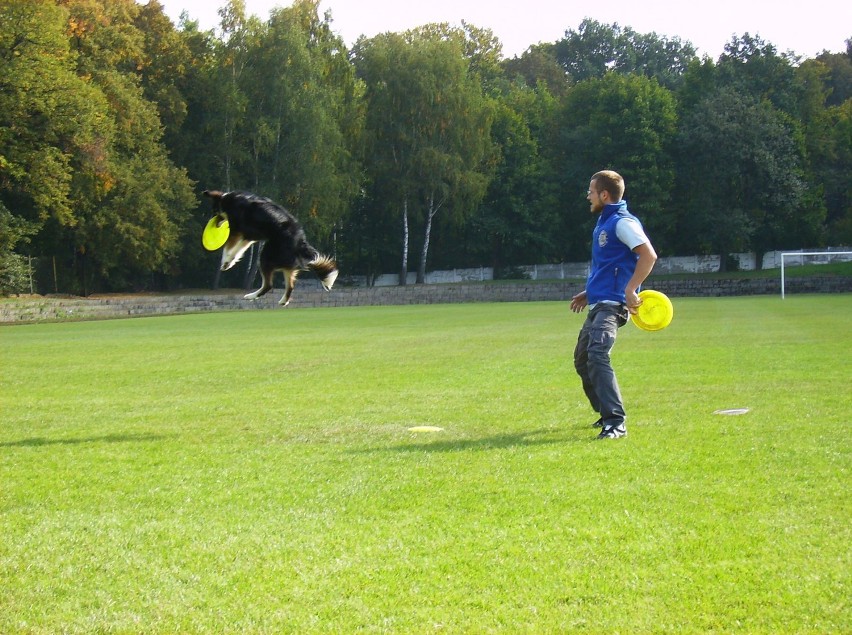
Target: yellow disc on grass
(215, 233)
(655, 313)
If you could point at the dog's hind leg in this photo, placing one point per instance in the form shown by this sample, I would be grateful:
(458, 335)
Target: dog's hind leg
(290, 276)
(265, 287)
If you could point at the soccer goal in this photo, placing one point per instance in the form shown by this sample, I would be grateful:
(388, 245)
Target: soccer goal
(814, 257)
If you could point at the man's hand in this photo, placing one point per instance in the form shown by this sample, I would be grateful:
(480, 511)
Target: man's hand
(579, 302)
(633, 301)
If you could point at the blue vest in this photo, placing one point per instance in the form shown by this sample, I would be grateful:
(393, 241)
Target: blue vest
(613, 263)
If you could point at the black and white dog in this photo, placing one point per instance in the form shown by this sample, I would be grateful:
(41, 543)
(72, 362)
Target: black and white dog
(253, 218)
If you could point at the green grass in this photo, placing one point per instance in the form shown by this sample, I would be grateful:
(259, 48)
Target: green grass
(254, 473)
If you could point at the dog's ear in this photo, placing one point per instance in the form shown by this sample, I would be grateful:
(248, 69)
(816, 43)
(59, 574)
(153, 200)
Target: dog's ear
(215, 197)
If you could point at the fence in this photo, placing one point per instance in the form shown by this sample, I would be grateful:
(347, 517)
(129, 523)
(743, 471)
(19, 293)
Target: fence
(579, 270)
(561, 271)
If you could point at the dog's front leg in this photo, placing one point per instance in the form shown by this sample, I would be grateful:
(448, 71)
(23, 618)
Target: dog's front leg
(254, 295)
(265, 287)
(233, 252)
(290, 276)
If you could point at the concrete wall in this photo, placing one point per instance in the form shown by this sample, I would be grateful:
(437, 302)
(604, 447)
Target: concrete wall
(18, 310)
(570, 270)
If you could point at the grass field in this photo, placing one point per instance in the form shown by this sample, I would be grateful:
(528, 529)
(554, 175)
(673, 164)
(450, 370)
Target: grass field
(253, 472)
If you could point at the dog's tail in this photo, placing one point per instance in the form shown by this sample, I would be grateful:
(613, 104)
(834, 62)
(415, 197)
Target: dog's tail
(326, 270)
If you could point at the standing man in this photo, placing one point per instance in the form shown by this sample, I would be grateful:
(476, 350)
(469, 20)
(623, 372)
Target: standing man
(622, 257)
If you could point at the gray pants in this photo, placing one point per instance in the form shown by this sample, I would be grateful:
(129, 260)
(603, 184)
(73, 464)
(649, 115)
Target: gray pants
(592, 361)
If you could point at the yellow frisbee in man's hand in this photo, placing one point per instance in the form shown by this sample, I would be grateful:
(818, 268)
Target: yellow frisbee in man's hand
(655, 313)
(215, 233)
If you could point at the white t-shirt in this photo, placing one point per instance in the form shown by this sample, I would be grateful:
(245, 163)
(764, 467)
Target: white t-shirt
(630, 233)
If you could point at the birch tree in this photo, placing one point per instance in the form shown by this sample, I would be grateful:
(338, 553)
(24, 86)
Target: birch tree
(428, 127)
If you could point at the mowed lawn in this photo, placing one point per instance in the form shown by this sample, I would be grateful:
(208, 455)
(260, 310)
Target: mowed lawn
(254, 472)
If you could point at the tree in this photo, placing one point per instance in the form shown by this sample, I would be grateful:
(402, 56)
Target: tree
(275, 108)
(193, 141)
(54, 127)
(47, 114)
(596, 49)
(839, 78)
(838, 184)
(233, 53)
(741, 177)
(453, 130)
(753, 66)
(384, 63)
(428, 127)
(515, 220)
(14, 274)
(193, 138)
(699, 80)
(132, 202)
(165, 62)
(625, 123)
(825, 107)
(480, 47)
(538, 64)
(304, 118)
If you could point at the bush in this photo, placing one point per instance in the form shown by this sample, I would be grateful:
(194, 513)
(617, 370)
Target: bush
(14, 274)
(511, 273)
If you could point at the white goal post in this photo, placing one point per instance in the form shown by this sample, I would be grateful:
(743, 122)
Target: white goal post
(802, 254)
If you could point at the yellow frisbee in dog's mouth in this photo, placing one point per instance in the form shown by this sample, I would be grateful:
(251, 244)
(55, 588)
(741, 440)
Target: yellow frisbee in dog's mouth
(655, 313)
(215, 233)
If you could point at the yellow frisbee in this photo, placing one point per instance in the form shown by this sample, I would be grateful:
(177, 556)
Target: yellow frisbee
(655, 313)
(215, 233)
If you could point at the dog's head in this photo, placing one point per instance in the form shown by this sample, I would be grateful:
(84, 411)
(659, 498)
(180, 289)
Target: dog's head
(237, 244)
(216, 199)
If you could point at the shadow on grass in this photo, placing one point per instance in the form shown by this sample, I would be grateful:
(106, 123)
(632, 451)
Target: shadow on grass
(109, 438)
(497, 442)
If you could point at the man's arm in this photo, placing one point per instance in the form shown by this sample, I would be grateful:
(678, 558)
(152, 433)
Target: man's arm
(644, 266)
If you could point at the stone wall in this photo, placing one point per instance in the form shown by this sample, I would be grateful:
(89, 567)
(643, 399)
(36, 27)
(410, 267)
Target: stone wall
(17, 310)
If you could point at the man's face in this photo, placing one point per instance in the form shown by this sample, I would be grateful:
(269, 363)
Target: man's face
(594, 197)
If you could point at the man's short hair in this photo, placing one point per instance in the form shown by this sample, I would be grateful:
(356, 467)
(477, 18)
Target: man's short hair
(610, 182)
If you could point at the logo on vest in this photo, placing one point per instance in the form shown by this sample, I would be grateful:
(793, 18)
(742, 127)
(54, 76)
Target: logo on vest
(602, 238)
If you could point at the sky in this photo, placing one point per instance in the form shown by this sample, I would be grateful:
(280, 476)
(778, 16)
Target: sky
(803, 27)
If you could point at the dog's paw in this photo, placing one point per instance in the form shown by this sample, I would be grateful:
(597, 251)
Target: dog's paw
(250, 296)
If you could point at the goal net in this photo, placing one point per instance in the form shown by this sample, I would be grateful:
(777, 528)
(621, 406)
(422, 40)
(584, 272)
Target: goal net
(798, 258)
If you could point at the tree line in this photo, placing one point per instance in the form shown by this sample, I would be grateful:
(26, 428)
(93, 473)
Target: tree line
(404, 152)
